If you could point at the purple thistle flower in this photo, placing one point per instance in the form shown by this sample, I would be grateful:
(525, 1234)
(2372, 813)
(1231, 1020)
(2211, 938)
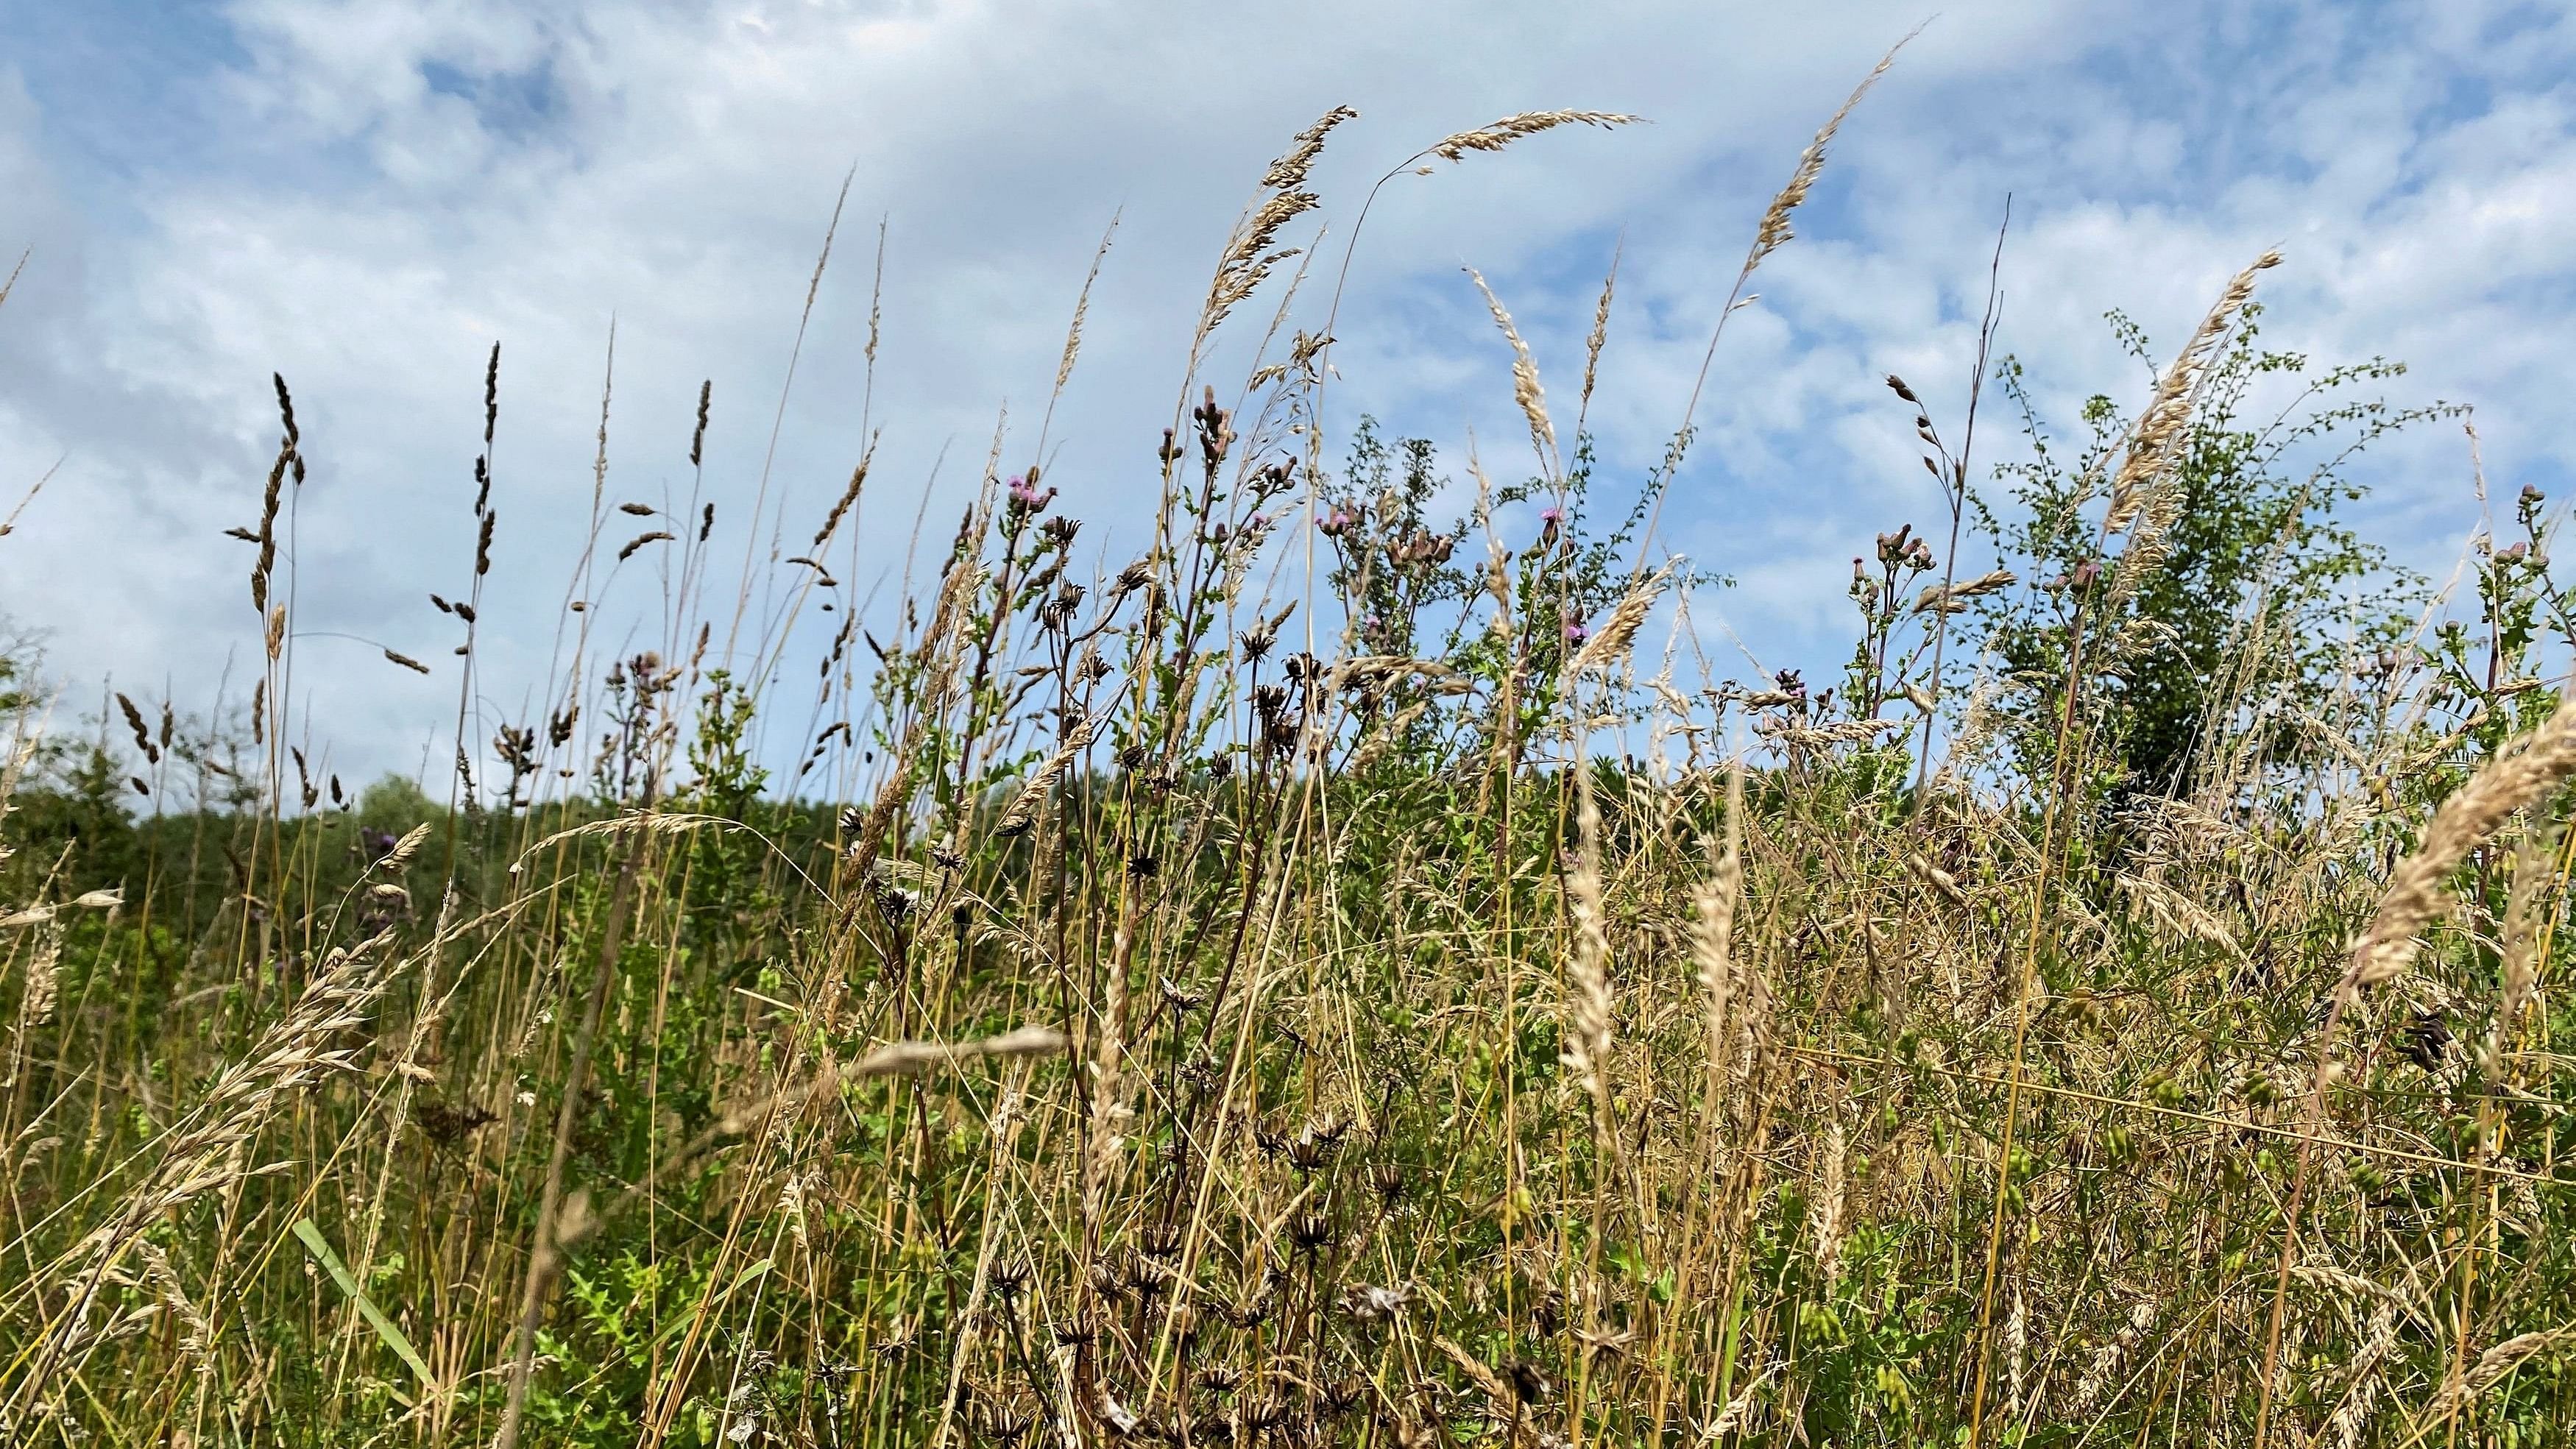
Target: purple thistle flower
(1025, 497)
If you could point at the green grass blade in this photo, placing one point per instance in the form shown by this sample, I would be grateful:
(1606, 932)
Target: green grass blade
(367, 1309)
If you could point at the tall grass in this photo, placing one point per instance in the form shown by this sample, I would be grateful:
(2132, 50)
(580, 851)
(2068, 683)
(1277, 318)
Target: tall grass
(1120, 1025)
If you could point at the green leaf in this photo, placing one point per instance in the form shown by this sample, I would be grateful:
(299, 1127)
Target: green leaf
(320, 1248)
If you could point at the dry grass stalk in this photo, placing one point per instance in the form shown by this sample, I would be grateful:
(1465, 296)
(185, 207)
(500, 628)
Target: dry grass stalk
(659, 535)
(1954, 598)
(1107, 1110)
(2144, 499)
(2520, 955)
(2414, 896)
(1496, 1389)
(1619, 633)
(1737, 1411)
(1252, 251)
(939, 648)
(1081, 311)
(2161, 428)
(2482, 1375)
(1593, 341)
(9, 522)
(1518, 127)
(1525, 386)
(645, 822)
(2364, 1384)
(1589, 1008)
(2417, 890)
(849, 496)
(289, 459)
(1289, 171)
(1713, 925)
(1826, 1220)
(1024, 807)
(294, 1054)
(404, 849)
(2179, 913)
(911, 1058)
(2017, 1353)
(2108, 1360)
(37, 992)
(1774, 232)
(1775, 229)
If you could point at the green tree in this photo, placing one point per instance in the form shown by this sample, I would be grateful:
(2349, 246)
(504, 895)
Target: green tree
(2261, 597)
(394, 804)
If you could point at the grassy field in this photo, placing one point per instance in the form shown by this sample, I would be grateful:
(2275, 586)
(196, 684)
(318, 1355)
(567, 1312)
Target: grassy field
(1345, 978)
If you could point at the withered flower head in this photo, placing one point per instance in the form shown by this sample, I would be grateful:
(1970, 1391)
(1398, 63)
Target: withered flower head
(1530, 1383)
(1388, 1179)
(1310, 1232)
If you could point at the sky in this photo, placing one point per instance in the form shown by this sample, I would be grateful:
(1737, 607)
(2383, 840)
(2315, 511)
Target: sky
(364, 195)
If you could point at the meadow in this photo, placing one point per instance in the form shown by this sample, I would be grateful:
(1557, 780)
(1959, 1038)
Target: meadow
(1359, 973)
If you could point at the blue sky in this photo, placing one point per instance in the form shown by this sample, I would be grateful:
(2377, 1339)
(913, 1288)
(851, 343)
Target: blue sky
(364, 194)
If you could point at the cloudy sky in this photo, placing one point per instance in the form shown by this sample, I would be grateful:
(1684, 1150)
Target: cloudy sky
(363, 195)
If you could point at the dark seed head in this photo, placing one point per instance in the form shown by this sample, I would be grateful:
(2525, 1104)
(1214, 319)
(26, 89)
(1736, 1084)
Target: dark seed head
(1530, 1384)
(1310, 1231)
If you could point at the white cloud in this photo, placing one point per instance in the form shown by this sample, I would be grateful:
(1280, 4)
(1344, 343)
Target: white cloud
(401, 183)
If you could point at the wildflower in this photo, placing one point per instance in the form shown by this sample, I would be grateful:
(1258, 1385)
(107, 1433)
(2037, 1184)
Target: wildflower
(1335, 523)
(1025, 497)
